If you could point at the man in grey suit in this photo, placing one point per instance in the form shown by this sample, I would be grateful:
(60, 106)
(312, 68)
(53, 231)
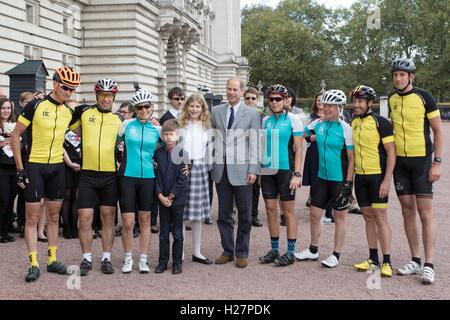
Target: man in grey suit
(234, 170)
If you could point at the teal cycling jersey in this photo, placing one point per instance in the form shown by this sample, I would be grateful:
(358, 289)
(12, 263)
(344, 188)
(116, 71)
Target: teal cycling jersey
(333, 139)
(278, 137)
(140, 142)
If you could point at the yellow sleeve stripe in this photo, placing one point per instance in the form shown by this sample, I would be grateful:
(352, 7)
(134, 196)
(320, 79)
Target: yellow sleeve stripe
(24, 120)
(433, 114)
(379, 205)
(75, 125)
(388, 139)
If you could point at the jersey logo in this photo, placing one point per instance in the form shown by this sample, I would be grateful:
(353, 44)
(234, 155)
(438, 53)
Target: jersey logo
(92, 120)
(321, 130)
(45, 114)
(398, 186)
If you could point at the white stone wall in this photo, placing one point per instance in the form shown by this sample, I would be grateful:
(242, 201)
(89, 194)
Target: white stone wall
(128, 40)
(45, 38)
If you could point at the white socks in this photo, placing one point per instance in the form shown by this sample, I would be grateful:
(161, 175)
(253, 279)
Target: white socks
(106, 255)
(197, 238)
(143, 257)
(87, 256)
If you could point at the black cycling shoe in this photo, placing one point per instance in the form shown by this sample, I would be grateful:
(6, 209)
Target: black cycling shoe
(284, 260)
(269, 257)
(85, 267)
(9, 238)
(33, 274)
(56, 267)
(107, 267)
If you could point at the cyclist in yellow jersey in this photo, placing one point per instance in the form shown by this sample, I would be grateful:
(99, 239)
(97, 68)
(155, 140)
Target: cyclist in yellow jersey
(98, 180)
(413, 112)
(374, 165)
(42, 175)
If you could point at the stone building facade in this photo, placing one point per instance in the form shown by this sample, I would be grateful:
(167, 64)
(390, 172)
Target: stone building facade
(194, 44)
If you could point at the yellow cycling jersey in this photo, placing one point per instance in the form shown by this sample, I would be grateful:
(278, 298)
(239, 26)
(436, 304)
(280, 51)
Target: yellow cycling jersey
(99, 138)
(410, 113)
(47, 121)
(370, 133)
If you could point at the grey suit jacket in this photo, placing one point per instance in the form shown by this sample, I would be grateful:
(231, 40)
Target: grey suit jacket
(237, 147)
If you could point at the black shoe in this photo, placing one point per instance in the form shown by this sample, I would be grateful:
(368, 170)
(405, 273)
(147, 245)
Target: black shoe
(67, 235)
(204, 261)
(85, 267)
(42, 239)
(33, 274)
(284, 260)
(188, 228)
(13, 229)
(56, 267)
(256, 223)
(269, 257)
(107, 267)
(208, 221)
(21, 232)
(3, 240)
(154, 229)
(283, 220)
(161, 268)
(9, 238)
(176, 268)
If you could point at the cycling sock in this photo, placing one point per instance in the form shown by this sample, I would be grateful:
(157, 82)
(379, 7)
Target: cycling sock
(33, 259)
(291, 246)
(275, 243)
(336, 254)
(429, 265)
(106, 255)
(387, 258)
(51, 254)
(373, 255)
(87, 256)
(417, 260)
(313, 249)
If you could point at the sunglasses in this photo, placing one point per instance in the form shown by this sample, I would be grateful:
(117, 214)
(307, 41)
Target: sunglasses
(66, 88)
(179, 98)
(277, 99)
(139, 108)
(250, 98)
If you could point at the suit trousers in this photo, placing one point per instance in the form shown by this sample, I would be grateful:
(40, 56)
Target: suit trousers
(171, 220)
(243, 198)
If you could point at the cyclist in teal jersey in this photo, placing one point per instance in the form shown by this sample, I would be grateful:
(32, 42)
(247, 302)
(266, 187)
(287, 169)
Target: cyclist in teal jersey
(335, 178)
(137, 181)
(280, 173)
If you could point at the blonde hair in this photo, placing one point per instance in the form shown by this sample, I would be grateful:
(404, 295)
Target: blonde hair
(205, 115)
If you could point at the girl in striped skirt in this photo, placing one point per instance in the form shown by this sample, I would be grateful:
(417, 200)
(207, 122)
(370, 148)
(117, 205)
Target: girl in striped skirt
(195, 123)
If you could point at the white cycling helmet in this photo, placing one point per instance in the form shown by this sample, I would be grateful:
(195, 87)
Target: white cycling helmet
(141, 96)
(334, 97)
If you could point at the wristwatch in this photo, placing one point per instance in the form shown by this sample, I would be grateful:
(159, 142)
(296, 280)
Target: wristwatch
(437, 159)
(297, 174)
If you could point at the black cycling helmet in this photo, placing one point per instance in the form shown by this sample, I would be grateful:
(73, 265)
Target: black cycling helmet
(364, 92)
(403, 64)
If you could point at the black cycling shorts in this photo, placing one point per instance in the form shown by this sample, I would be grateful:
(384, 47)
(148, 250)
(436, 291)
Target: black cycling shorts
(95, 185)
(367, 191)
(411, 176)
(45, 181)
(278, 185)
(324, 193)
(136, 192)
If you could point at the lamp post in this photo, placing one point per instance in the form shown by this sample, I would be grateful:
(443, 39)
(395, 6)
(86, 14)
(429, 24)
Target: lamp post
(323, 85)
(259, 86)
(384, 106)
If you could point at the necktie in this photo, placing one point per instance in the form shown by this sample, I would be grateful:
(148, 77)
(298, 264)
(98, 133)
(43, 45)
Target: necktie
(230, 121)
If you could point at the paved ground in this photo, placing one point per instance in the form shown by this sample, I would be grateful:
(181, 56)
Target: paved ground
(303, 280)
